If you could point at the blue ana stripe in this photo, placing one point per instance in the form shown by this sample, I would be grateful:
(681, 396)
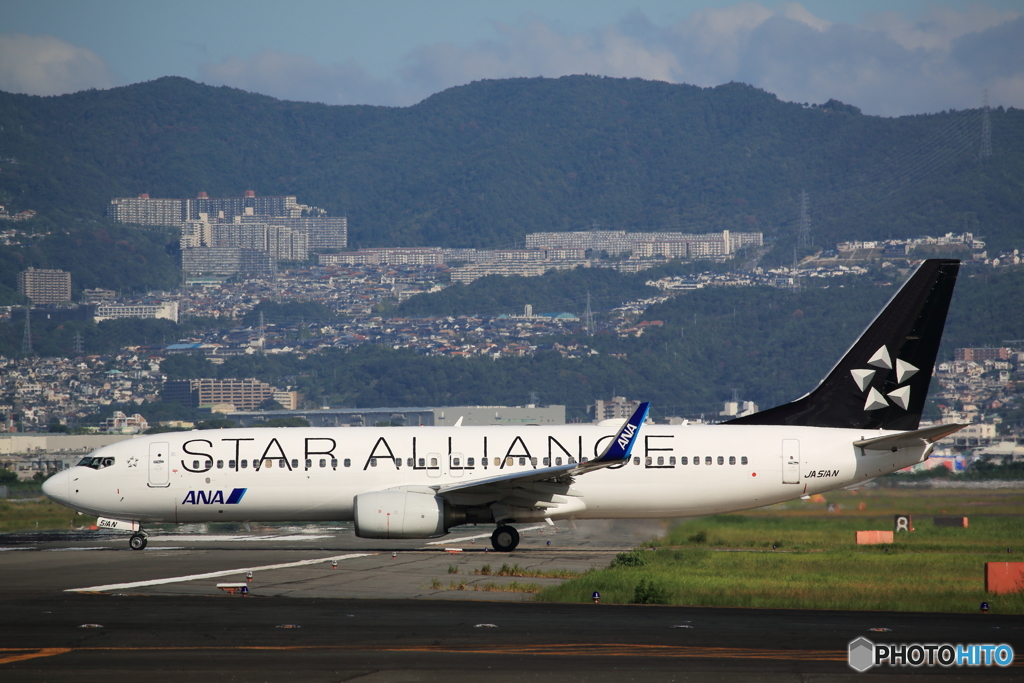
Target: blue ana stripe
(236, 496)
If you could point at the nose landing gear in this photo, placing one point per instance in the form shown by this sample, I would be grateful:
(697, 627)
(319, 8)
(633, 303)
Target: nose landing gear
(505, 539)
(138, 540)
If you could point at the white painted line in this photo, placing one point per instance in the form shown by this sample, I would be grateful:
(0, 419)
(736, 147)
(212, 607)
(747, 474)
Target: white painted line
(3, 550)
(212, 575)
(69, 550)
(206, 538)
(469, 538)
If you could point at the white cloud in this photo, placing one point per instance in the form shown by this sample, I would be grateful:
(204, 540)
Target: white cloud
(889, 64)
(44, 65)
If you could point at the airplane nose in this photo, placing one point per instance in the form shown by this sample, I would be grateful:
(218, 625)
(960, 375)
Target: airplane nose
(56, 487)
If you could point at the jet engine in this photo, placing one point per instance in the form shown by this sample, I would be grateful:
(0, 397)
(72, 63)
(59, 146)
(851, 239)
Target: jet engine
(403, 514)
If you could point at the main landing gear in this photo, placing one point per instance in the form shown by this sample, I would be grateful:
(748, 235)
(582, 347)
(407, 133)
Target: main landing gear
(505, 539)
(138, 540)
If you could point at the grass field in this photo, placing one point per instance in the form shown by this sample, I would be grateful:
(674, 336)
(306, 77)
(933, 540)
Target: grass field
(728, 560)
(29, 514)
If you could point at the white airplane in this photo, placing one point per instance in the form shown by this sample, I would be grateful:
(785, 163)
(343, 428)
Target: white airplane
(418, 482)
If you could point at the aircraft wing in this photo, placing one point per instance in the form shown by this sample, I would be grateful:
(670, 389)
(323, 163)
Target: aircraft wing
(549, 486)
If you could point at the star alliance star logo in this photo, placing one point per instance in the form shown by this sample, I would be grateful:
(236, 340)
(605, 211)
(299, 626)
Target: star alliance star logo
(133, 461)
(900, 396)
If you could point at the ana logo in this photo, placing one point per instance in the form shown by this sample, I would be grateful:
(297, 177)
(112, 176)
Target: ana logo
(213, 497)
(899, 396)
(627, 435)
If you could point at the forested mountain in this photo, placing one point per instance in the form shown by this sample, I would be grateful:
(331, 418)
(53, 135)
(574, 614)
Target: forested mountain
(486, 163)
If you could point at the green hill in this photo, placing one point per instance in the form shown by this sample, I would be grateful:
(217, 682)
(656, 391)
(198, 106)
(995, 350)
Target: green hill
(486, 163)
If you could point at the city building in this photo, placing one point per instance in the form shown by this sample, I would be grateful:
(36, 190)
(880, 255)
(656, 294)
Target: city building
(471, 416)
(167, 310)
(980, 355)
(618, 408)
(120, 423)
(243, 394)
(45, 286)
(225, 261)
(648, 244)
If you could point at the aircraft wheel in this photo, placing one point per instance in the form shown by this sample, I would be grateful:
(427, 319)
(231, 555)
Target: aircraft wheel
(137, 542)
(505, 539)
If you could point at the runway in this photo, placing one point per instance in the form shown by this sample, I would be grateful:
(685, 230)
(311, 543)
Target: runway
(84, 607)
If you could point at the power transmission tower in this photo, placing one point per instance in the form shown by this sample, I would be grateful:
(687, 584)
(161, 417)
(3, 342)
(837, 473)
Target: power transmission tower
(263, 337)
(79, 348)
(26, 342)
(986, 130)
(588, 318)
(803, 238)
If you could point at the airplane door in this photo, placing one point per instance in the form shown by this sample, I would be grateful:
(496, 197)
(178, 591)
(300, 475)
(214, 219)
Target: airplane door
(456, 464)
(159, 465)
(790, 461)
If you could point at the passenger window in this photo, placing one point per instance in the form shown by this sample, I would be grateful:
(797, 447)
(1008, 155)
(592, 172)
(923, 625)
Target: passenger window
(533, 461)
(455, 462)
(245, 464)
(497, 462)
(648, 461)
(558, 461)
(334, 463)
(433, 462)
(547, 462)
(683, 460)
(661, 460)
(268, 463)
(696, 460)
(323, 462)
(743, 460)
(470, 462)
(409, 462)
(295, 463)
(231, 464)
(522, 462)
(348, 463)
(220, 464)
(373, 462)
(398, 462)
(732, 459)
(707, 460)
(423, 462)
(586, 459)
(309, 463)
(672, 460)
(636, 461)
(721, 460)
(195, 464)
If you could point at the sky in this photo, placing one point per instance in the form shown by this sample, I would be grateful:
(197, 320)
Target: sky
(890, 58)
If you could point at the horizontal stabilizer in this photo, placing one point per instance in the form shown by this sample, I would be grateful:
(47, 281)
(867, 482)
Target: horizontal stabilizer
(893, 442)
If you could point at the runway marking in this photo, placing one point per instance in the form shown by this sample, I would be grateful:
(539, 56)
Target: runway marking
(68, 550)
(545, 649)
(197, 538)
(449, 541)
(45, 652)
(211, 575)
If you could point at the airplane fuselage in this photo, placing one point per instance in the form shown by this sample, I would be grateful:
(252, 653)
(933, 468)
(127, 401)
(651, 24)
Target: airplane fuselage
(314, 474)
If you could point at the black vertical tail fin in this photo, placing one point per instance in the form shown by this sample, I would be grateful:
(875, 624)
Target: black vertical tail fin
(882, 381)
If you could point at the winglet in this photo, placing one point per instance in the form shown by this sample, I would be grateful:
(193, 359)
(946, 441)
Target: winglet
(622, 444)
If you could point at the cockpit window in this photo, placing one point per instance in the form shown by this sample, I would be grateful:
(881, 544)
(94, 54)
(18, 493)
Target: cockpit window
(96, 462)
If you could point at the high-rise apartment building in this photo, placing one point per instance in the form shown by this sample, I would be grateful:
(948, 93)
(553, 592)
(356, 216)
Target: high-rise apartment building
(243, 394)
(45, 286)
